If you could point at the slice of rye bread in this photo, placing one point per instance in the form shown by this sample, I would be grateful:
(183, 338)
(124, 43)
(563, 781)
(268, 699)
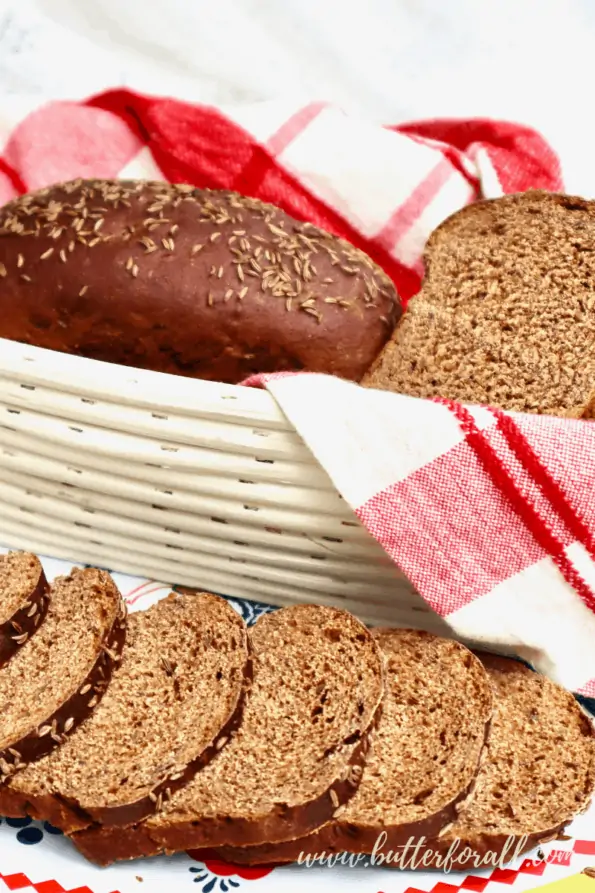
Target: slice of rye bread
(423, 759)
(173, 701)
(297, 755)
(506, 314)
(537, 775)
(24, 598)
(59, 675)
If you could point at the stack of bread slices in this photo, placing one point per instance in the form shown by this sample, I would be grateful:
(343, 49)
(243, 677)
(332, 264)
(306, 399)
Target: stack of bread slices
(178, 728)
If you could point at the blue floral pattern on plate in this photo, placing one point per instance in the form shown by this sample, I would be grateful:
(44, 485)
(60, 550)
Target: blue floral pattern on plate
(212, 883)
(29, 832)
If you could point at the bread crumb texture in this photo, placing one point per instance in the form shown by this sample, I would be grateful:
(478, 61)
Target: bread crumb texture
(20, 572)
(317, 685)
(506, 315)
(179, 680)
(539, 767)
(432, 730)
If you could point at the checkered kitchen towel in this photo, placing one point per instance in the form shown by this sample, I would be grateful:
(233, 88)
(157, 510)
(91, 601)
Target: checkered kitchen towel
(490, 514)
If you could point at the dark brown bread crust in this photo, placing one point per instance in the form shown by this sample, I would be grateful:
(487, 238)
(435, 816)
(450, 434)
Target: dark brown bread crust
(107, 845)
(330, 840)
(339, 837)
(104, 846)
(188, 281)
(23, 623)
(65, 720)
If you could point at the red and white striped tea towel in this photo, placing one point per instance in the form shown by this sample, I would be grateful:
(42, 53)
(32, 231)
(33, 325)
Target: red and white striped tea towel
(383, 188)
(489, 514)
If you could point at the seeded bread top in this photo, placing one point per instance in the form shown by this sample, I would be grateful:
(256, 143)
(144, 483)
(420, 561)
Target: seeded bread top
(20, 573)
(317, 685)
(191, 281)
(179, 681)
(506, 315)
(51, 666)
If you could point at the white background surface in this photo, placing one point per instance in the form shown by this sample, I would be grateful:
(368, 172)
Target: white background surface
(390, 60)
(385, 58)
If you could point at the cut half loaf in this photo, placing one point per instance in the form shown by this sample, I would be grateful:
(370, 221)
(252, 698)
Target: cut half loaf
(423, 758)
(23, 600)
(506, 314)
(58, 676)
(297, 755)
(171, 705)
(537, 775)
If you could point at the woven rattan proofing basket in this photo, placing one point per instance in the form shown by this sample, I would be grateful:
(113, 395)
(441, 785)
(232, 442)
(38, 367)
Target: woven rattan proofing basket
(183, 481)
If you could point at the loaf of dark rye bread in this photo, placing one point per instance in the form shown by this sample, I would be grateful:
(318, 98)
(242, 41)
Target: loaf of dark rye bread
(190, 281)
(423, 758)
(297, 755)
(23, 600)
(506, 314)
(59, 674)
(171, 705)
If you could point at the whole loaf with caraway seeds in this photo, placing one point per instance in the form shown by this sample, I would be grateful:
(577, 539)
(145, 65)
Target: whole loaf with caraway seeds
(202, 283)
